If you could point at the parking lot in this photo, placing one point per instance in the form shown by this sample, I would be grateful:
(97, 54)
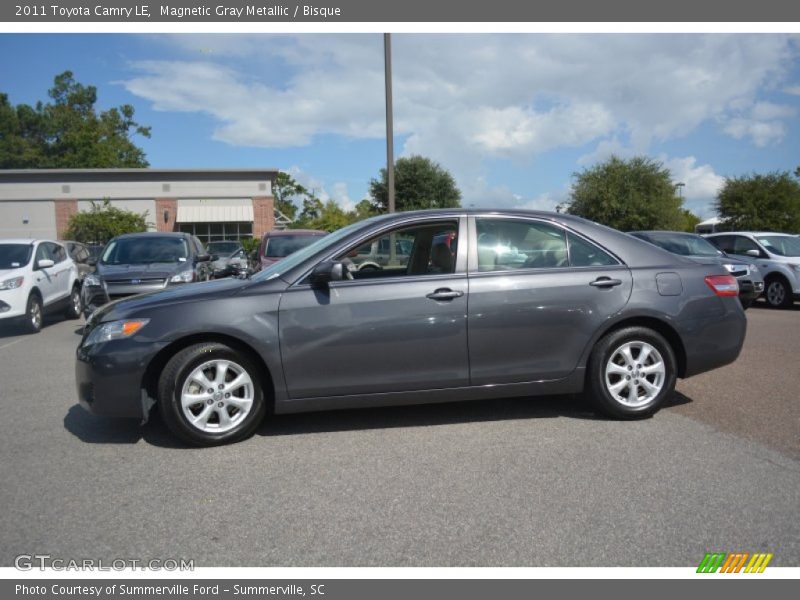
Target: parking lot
(523, 482)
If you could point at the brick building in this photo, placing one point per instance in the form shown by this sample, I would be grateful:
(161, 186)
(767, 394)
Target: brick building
(214, 204)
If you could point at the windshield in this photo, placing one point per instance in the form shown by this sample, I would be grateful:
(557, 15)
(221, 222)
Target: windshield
(14, 256)
(281, 246)
(222, 248)
(320, 243)
(782, 245)
(145, 250)
(684, 244)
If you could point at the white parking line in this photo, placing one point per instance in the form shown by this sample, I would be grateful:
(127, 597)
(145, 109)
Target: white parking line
(11, 343)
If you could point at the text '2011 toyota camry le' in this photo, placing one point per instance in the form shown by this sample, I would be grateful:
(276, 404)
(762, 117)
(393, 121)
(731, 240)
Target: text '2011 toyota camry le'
(484, 304)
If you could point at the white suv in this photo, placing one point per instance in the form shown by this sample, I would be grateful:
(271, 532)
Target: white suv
(37, 277)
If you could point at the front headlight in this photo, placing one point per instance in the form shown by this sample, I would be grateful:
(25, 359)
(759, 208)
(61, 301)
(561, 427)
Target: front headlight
(115, 330)
(92, 279)
(11, 284)
(183, 277)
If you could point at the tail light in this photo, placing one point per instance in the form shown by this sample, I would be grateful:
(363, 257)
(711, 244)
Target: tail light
(723, 285)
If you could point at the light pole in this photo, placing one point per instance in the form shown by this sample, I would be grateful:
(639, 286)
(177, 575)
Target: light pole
(387, 65)
(679, 186)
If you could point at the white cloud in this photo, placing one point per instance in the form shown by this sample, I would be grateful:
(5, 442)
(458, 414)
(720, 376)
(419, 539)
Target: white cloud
(464, 100)
(701, 183)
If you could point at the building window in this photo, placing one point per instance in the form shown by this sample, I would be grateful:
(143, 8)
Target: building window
(215, 232)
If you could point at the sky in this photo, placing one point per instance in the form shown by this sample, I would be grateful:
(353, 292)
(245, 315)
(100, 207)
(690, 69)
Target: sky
(512, 116)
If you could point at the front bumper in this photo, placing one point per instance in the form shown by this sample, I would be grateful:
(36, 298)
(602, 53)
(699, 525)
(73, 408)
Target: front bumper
(110, 376)
(13, 303)
(750, 290)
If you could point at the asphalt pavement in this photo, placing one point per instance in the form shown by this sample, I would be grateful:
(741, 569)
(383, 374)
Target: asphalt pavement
(522, 482)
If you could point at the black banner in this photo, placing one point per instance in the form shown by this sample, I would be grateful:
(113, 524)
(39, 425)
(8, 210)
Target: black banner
(341, 11)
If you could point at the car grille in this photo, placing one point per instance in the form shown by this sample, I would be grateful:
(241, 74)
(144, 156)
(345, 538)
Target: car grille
(151, 281)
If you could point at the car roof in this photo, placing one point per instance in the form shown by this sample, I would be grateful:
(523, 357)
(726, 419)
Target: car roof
(280, 232)
(175, 234)
(754, 233)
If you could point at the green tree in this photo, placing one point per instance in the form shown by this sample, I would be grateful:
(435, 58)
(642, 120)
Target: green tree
(419, 183)
(635, 194)
(689, 220)
(103, 222)
(768, 202)
(286, 190)
(68, 131)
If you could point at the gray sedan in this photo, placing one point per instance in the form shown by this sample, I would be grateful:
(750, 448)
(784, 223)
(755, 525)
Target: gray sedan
(488, 304)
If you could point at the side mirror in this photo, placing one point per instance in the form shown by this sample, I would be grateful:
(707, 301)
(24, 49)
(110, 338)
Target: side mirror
(44, 263)
(203, 258)
(325, 272)
(213, 257)
(754, 253)
(91, 261)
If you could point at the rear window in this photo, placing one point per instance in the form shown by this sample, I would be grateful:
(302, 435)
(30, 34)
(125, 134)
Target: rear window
(145, 250)
(282, 246)
(14, 256)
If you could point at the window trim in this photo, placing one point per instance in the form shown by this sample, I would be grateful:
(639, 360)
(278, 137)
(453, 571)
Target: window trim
(473, 269)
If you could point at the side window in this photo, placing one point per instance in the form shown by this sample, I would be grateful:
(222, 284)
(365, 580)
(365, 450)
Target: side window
(742, 244)
(57, 252)
(585, 254)
(82, 254)
(198, 246)
(723, 242)
(42, 252)
(431, 250)
(507, 244)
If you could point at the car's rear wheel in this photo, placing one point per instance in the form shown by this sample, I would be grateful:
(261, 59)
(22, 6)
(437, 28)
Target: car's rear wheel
(211, 394)
(778, 293)
(75, 307)
(632, 372)
(34, 315)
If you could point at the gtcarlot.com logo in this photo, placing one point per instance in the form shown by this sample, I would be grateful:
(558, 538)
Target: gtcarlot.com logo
(28, 562)
(734, 562)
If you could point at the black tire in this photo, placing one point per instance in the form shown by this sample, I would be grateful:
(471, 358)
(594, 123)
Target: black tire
(75, 306)
(34, 315)
(173, 378)
(777, 292)
(599, 394)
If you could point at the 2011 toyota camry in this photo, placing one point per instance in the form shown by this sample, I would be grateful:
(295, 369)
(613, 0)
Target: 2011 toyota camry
(486, 304)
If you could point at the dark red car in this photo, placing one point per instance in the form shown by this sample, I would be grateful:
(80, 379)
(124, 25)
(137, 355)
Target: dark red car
(277, 245)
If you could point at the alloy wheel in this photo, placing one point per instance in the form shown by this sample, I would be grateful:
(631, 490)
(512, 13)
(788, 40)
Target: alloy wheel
(635, 374)
(776, 293)
(217, 396)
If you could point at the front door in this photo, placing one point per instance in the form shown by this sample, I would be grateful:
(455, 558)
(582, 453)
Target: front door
(399, 328)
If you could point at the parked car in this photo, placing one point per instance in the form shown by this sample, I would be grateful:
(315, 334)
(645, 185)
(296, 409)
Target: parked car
(36, 277)
(222, 250)
(234, 265)
(621, 319)
(80, 255)
(697, 248)
(376, 255)
(278, 244)
(777, 256)
(136, 263)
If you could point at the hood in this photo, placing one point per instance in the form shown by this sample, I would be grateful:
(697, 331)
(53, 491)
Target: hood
(11, 273)
(185, 292)
(149, 271)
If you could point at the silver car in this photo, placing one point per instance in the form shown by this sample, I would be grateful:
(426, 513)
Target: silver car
(777, 256)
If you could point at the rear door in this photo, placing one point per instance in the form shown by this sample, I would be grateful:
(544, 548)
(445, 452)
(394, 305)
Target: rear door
(537, 294)
(45, 278)
(399, 328)
(62, 270)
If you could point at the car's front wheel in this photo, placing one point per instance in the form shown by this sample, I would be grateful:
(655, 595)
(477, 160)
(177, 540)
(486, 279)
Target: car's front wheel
(632, 372)
(34, 315)
(211, 394)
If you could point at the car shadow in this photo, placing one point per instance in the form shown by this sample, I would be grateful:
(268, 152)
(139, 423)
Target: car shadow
(762, 305)
(101, 430)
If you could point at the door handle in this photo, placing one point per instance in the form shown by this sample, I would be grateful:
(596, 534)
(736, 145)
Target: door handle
(444, 294)
(605, 282)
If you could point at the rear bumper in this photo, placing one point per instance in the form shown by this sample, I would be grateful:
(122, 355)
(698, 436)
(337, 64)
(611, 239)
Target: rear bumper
(713, 342)
(110, 383)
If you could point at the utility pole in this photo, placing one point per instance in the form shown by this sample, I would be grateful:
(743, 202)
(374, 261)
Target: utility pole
(387, 61)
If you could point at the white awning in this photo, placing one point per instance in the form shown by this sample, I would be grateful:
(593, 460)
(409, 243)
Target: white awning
(215, 212)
